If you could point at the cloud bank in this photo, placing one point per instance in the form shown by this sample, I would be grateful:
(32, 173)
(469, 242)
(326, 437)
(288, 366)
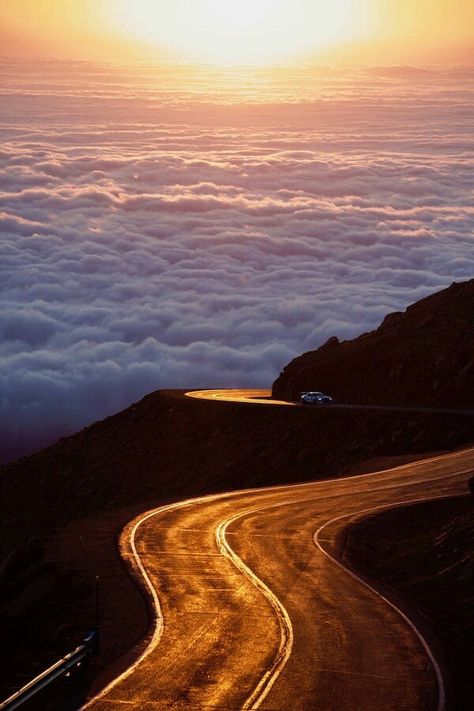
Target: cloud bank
(165, 230)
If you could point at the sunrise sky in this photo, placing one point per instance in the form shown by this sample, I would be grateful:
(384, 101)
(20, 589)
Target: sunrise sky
(248, 31)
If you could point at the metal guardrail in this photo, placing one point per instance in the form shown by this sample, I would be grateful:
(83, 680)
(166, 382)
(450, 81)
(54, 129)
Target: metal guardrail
(62, 667)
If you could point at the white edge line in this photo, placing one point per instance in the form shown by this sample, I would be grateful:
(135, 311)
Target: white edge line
(286, 629)
(356, 514)
(229, 396)
(136, 561)
(285, 646)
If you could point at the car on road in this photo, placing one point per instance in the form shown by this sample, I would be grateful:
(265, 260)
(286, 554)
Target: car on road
(315, 398)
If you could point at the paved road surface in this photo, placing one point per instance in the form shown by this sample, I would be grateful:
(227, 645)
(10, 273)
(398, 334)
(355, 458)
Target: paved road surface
(252, 613)
(252, 397)
(263, 397)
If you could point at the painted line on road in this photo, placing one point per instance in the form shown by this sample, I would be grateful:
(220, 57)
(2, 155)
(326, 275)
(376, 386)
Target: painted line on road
(128, 540)
(361, 514)
(285, 646)
(263, 397)
(129, 551)
(250, 397)
(265, 685)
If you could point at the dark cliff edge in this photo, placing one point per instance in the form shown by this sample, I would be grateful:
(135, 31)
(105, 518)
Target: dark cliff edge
(422, 357)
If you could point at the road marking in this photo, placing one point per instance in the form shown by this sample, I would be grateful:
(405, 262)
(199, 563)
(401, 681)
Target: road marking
(286, 630)
(129, 551)
(250, 397)
(317, 541)
(285, 646)
(263, 397)
(129, 540)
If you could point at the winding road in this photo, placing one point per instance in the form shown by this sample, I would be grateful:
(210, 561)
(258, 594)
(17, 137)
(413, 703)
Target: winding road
(263, 397)
(254, 610)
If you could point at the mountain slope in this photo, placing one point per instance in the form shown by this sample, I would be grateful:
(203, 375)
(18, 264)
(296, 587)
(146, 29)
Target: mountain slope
(424, 356)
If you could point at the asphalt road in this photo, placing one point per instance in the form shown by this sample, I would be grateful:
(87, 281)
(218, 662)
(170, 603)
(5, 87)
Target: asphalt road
(253, 609)
(252, 397)
(263, 397)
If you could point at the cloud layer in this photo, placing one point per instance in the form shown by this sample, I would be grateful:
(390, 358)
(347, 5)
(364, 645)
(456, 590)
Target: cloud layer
(172, 231)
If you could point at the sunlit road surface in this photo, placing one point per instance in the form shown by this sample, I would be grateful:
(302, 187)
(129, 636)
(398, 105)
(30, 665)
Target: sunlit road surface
(253, 397)
(263, 397)
(253, 614)
(252, 610)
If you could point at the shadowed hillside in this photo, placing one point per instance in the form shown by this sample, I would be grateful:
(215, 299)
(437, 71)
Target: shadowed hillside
(423, 356)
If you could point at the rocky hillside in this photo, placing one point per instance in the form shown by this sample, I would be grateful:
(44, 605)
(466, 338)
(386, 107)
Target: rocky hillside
(423, 356)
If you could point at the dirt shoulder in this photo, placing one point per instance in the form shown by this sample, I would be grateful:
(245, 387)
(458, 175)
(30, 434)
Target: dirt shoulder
(423, 555)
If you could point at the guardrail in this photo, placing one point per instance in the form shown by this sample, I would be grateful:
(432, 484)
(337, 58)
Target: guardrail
(61, 668)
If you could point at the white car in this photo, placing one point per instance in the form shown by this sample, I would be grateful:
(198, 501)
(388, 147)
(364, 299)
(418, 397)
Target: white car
(315, 398)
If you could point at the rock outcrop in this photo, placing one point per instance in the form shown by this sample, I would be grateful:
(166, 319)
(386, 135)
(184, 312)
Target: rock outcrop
(423, 356)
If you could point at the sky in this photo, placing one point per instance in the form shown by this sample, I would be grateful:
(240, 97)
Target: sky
(248, 31)
(169, 224)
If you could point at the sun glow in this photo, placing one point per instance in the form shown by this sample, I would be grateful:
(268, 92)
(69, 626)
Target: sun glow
(239, 31)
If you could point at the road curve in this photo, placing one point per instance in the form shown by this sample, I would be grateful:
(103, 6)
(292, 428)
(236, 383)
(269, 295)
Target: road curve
(250, 397)
(263, 397)
(250, 613)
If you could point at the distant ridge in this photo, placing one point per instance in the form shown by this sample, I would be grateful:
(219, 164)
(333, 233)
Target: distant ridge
(423, 356)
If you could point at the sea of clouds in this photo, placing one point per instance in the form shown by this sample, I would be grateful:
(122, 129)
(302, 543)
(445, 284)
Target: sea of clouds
(173, 227)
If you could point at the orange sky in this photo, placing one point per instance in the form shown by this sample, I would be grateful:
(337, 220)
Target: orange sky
(250, 31)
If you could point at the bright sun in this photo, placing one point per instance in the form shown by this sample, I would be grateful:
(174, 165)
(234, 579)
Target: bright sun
(239, 31)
